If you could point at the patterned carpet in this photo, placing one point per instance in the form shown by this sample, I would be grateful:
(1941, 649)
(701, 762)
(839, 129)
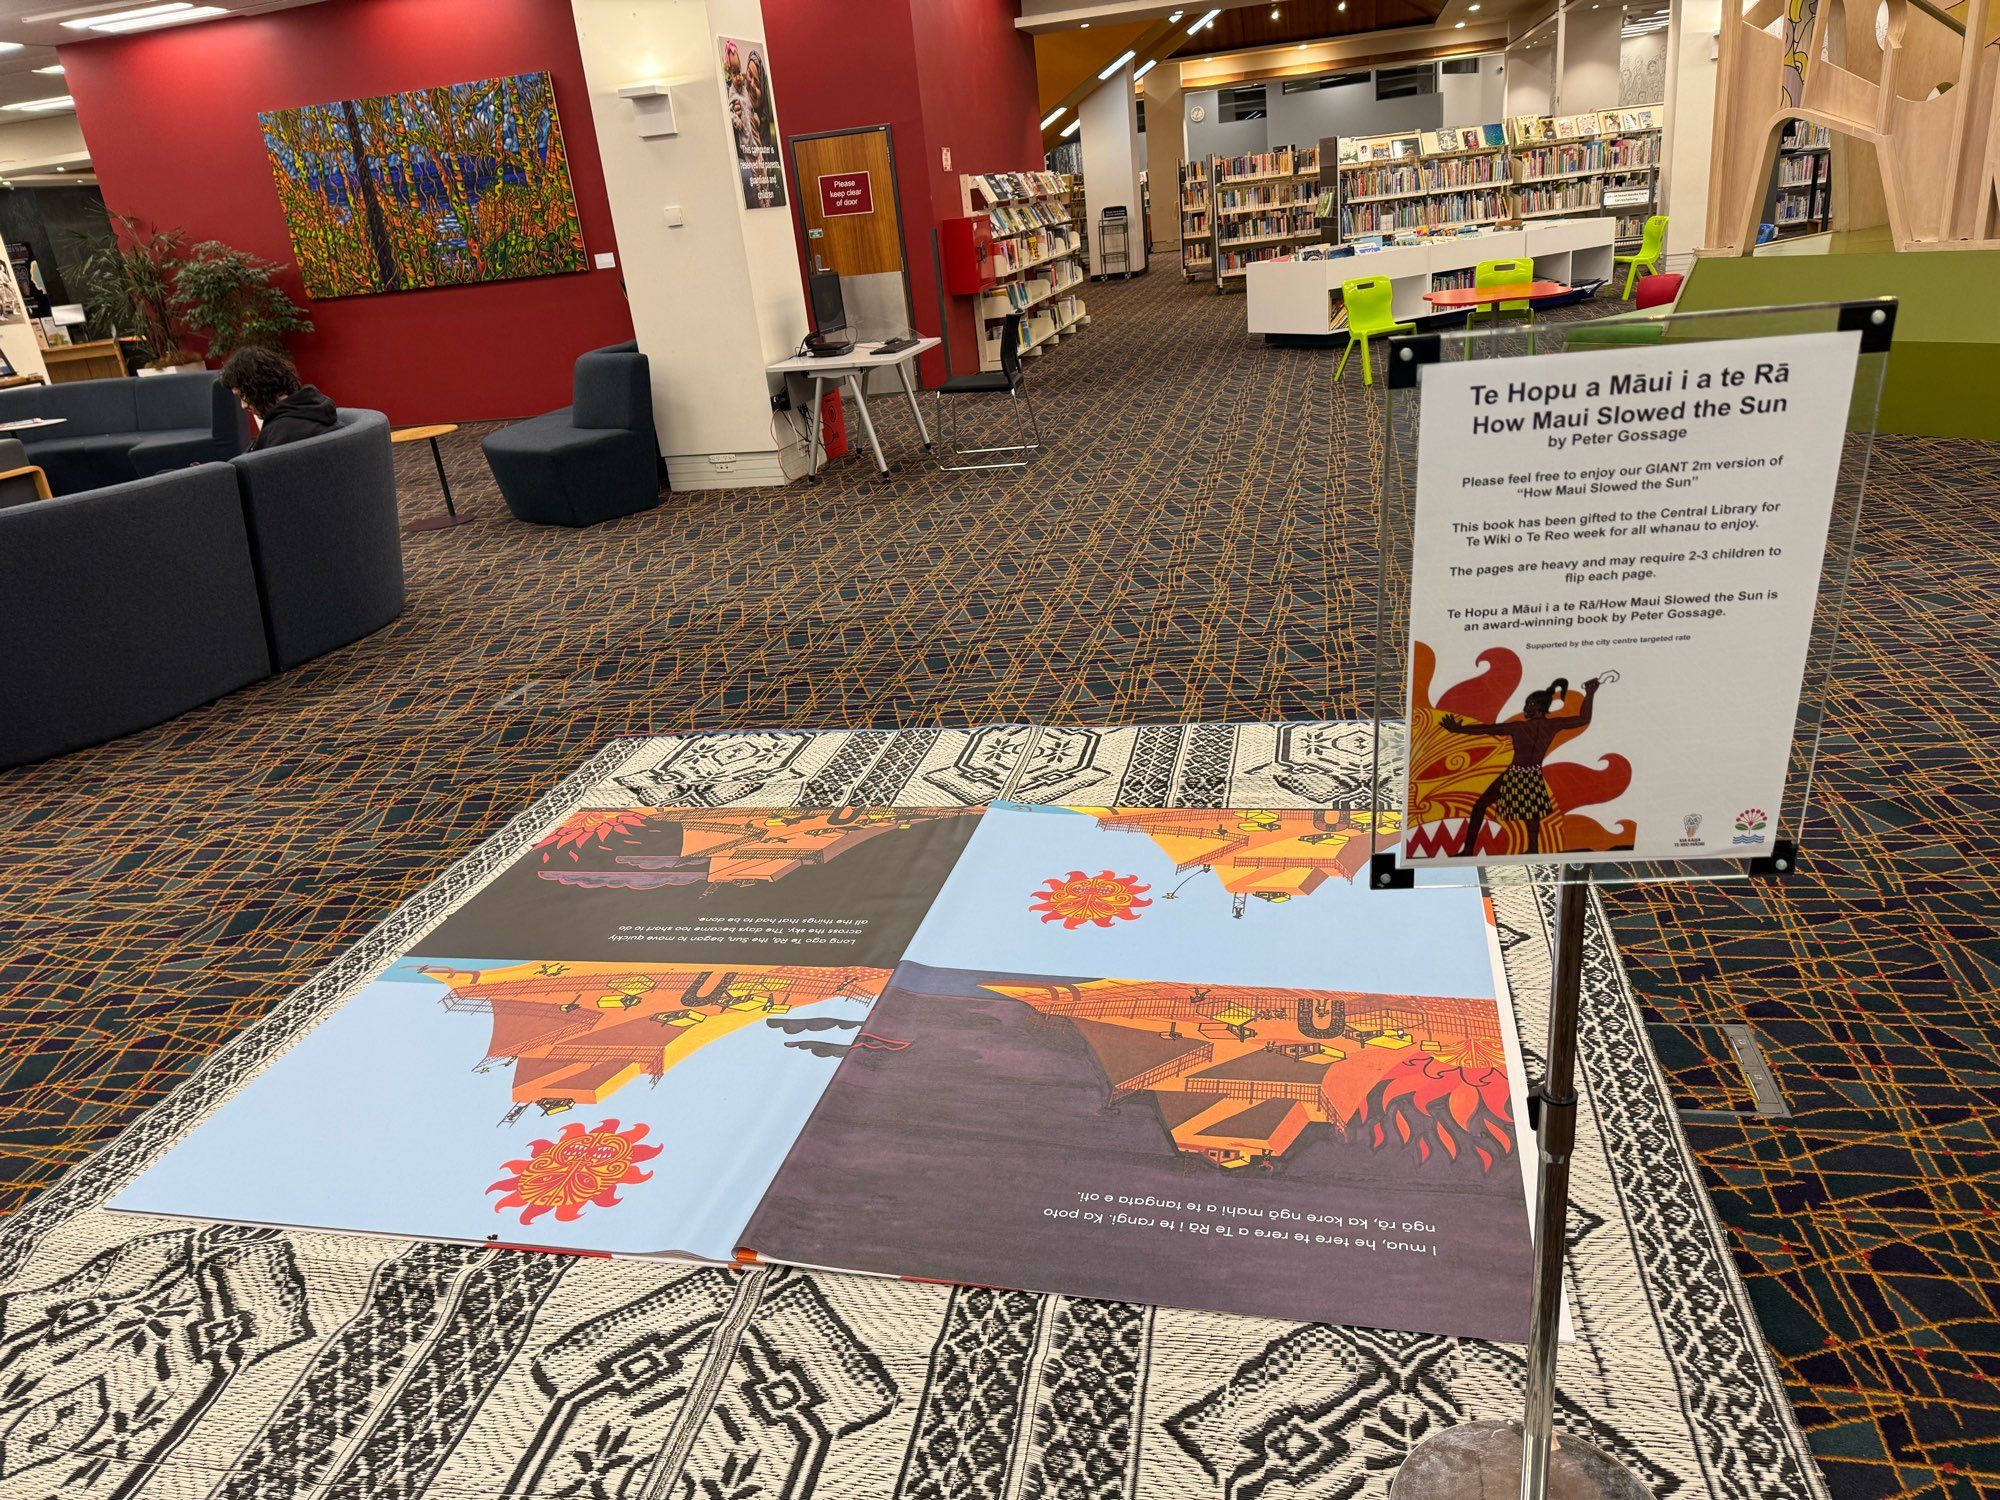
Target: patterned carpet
(1184, 553)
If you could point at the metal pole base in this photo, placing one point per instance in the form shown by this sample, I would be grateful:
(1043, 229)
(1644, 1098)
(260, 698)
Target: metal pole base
(1482, 1461)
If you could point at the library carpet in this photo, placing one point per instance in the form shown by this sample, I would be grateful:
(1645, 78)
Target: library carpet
(246, 1361)
(1196, 547)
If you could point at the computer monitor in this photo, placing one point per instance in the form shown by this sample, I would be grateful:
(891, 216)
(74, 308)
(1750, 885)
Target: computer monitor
(829, 311)
(69, 315)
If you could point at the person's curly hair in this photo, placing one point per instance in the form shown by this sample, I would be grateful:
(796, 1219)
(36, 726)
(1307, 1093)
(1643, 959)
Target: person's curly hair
(261, 377)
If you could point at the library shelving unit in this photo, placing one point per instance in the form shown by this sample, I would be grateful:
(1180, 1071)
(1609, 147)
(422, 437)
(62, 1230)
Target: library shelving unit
(1422, 179)
(1805, 182)
(1264, 204)
(1016, 250)
(1601, 161)
(1197, 223)
(1077, 206)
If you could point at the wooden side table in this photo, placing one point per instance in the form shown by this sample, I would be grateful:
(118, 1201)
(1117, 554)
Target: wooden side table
(431, 434)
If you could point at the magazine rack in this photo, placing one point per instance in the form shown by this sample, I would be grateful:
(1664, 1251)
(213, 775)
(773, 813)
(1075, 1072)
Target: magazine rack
(1491, 1457)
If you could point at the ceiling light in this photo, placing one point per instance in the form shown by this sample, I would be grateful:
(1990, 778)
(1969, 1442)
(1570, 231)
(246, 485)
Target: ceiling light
(1054, 115)
(1205, 20)
(1086, 25)
(1472, 7)
(14, 47)
(1458, 26)
(1116, 63)
(42, 106)
(1145, 67)
(147, 18)
(1070, 129)
(55, 68)
(1302, 46)
(1174, 17)
(1274, 12)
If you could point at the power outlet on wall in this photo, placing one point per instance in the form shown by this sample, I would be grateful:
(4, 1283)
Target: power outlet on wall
(781, 400)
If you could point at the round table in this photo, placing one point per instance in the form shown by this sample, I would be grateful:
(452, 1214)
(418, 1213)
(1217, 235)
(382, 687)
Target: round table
(29, 424)
(1482, 296)
(430, 435)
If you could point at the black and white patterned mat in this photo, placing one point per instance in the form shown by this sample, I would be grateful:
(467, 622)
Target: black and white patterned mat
(144, 1357)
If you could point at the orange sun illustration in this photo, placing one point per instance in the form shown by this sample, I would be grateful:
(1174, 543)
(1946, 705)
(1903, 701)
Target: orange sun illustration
(592, 826)
(579, 1166)
(1080, 898)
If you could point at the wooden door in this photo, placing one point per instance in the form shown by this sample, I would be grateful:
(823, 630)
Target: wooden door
(846, 184)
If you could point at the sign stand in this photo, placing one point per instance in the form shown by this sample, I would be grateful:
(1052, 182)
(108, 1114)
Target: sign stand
(1527, 1456)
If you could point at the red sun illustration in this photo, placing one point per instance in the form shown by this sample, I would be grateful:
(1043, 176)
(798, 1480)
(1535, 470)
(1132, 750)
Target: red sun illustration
(578, 1167)
(1078, 898)
(592, 826)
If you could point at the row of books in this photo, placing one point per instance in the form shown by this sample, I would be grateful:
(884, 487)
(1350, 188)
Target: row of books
(1286, 161)
(1020, 218)
(1030, 291)
(1796, 172)
(1578, 195)
(1014, 187)
(1803, 137)
(1022, 251)
(1288, 223)
(1625, 154)
(1235, 262)
(1429, 212)
(1233, 200)
(1531, 130)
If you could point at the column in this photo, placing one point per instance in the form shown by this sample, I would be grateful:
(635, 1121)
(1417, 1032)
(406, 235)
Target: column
(713, 283)
(1112, 160)
(1166, 145)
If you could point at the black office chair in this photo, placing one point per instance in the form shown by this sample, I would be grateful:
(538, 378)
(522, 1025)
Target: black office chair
(1007, 380)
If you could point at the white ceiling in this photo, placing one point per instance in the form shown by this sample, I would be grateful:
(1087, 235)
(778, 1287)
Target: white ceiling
(37, 24)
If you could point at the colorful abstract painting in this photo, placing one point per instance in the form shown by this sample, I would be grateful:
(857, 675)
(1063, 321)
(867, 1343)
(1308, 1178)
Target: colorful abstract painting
(431, 187)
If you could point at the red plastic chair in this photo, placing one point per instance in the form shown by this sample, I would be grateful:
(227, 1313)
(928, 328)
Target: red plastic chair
(1660, 290)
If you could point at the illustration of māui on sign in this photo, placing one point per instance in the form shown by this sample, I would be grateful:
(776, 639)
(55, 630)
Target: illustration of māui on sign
(1481, 782)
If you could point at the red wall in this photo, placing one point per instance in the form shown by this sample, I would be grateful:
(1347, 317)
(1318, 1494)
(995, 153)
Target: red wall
(941, 74)
(170, 118)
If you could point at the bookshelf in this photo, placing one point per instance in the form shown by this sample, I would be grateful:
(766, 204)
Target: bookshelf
(1804, 199)
(1197, 225)
(1019, 249)
(1077, 206)
(1262, 205)
(1429, 179)
(1601, 161)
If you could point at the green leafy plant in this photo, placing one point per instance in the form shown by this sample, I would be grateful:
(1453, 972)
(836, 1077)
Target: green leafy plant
(129, 285)
(230, 295)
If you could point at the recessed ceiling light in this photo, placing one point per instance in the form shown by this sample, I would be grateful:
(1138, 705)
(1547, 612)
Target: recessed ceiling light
(55, 68)
(1459, 26)
(1054, 115)
(1174, 17)
(42, 106)
(14, 47)
(1302, 46)
(1116, 63)
(1071, 128)
(1205, 20)
(1086, 25)
(1472, 7)
(1145, 67)
(1274, 12)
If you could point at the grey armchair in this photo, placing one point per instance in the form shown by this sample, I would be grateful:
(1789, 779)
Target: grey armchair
(591, 461)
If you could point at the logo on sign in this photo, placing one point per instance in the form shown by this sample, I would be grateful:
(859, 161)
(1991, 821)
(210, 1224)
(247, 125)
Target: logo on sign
(1750, 826)
(1691, 831)
(845, 193)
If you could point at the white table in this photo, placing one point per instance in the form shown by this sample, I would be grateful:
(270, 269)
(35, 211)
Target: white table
(852, 370)
(29, 424)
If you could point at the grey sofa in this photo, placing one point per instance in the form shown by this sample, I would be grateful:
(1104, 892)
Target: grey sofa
(124, 606)
(324, 537)
(591, 461)
(115, 430)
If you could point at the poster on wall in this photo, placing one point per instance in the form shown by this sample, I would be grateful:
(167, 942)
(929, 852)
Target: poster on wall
(753, 121)
(432, 187)
(1616, 561)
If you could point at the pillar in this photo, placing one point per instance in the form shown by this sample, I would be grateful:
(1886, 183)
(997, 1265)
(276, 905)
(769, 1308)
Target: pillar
(1166, 146)
(714, 284)
(1111, 161)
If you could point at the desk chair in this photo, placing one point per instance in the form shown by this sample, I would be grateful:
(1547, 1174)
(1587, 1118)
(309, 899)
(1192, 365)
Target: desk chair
(1517, 272)
(1370, 304)
(1008, 381)
(21, 483)
(1652, 241)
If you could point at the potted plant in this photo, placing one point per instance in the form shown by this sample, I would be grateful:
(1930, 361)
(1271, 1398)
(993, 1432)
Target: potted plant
(129, 284)
(230, 295)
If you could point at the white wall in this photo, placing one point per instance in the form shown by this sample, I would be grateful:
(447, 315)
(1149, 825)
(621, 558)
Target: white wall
(1474, 98)
(1531, 73)
(1590, 51)
(1113, 158)
(1642, 69)
(1303, 119)
(718, 298)
(1690, 126)
(55, 141)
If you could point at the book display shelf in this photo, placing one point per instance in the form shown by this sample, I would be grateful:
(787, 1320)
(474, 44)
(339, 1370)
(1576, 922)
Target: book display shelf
(1197, 222)
(1805, 181)
(1077, 206)
(1017, 249)
(1264, 204)
(1601, 161)
(1430, 179)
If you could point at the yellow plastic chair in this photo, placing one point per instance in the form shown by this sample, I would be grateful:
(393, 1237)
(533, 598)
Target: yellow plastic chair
(1370, 314)
(1652, 241)
(1502, 273)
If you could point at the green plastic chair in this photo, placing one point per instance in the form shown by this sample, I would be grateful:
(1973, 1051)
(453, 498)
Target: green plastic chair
(1370, 314)
(1652, 241)
(1502, 273)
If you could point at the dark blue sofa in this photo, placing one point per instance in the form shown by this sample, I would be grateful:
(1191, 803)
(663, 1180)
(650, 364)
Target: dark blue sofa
(591, 461)
(124, 606)
(115, 430)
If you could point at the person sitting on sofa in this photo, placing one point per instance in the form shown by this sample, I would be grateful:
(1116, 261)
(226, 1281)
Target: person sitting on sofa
(268, 385)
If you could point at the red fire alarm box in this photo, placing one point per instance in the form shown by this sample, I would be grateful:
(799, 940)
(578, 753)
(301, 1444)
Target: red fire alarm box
(964, 245)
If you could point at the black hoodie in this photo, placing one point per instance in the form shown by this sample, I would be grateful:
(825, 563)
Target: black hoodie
(303, 414)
